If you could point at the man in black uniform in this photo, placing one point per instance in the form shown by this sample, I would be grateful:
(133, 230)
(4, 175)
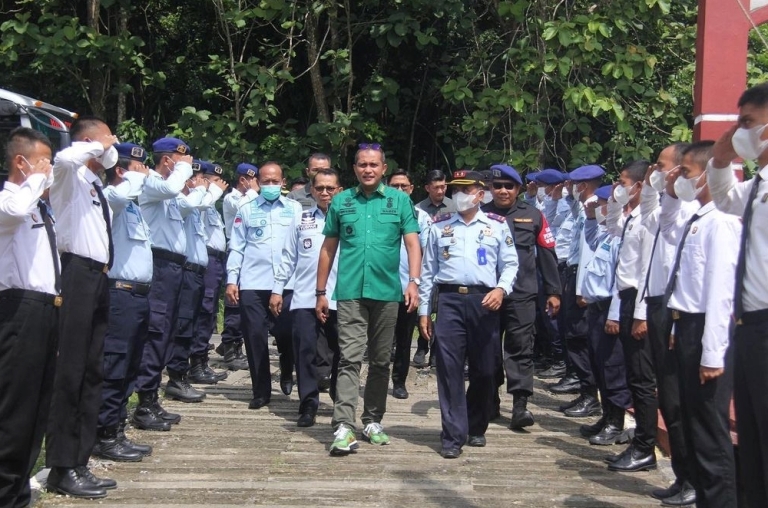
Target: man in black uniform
(535, 250)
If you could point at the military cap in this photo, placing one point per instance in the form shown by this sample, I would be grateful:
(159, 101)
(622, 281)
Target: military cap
(550, 177)
(198, 165)
(247, 169)
(532, 176)
(131, 151)
(584, 173)
(213, 169)
(170, 145)
(487, 177)
(504, 171)
(466, 177)
(604, 192)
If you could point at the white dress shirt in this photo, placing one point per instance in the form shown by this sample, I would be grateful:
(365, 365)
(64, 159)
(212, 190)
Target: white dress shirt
(81, 228)
(26, 260)
(232, 203)
(705, 280)
(731, 197)
(632, 263)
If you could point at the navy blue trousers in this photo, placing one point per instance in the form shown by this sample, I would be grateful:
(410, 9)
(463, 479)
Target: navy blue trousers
(607, 357)
(190, 298)
(232, 331)
(577, 334)
(209, 307)
(163, 310)
(123, 343)
(404, 327)
(465, 329)
(306, 331)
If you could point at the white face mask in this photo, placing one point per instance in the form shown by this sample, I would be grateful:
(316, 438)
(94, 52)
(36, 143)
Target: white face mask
(622, 195)
(599, 215)
(747, 142)
(576, 193)
(109, 158)
(487, 198)
(658, 181)
(686, 189)
(541, 193)
(464, 201)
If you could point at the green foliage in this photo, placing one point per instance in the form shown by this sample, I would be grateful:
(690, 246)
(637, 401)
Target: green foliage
(440, 83)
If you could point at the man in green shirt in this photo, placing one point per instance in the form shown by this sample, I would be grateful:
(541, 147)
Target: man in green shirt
(365, 224)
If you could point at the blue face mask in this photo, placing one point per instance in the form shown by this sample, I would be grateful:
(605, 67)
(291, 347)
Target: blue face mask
(270, 192)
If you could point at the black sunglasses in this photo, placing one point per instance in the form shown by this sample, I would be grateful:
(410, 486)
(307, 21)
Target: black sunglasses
(325, 188)
(503, 185)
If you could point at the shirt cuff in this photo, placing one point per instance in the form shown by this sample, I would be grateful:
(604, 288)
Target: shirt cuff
(278, 287)
(232, 278)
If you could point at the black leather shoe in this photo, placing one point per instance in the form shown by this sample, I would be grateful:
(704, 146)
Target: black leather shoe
(420, 358)
(306, 420)
(556, 370)
(70, 482)
(178, 388)
(571, 403)
(171, 418)
(609, 435)
(521, 417)
(399, 392)
(233, 356)
(634, 461)
(257, 403)
(476, 441)
(568, 384)
(145, 417)
(610, 459)
(104, 483)
(109, 446)
(198, 374)
(589, 406)
(450, 453)
(286, 386)
(593, 429)
(143, 449)
(670, 491)
(686, 497)
(324, 383)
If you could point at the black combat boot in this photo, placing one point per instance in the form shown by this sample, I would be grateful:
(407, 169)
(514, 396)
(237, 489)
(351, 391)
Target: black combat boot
(178, 388)
(233, 355)
(109, 446)
(145, 450)
(197, 373)
(521, 417)
(145, 417)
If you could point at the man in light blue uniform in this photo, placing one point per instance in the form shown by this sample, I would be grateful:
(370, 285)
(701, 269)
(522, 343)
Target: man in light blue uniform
(299, 261)
(406, 321)
(212, 280)
(160, 207)
(464, 253)
(246, 188)
(200, 195)
(129, 282)
(256, 245)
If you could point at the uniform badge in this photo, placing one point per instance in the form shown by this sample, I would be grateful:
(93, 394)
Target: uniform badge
(693, 231)
(263, 222)
(137, 152)
(764, 198)
(182, 149)
(259, 232)
(630, 227)
(307, 243)
(509, 241)
(446, 254)
(389, 202)
(348, 201)
(237, 222)
(93, 193)
(34, 218)
(447, 231)
(487, 231)
(349, 230)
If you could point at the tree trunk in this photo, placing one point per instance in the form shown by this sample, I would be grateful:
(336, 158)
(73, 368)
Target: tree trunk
(98, 79)
(122, 21)
(314, 68)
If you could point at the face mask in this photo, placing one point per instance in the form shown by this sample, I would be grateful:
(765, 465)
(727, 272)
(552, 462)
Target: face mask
(541, 193)
(487, 198)
(685, 188)
(747, 142)
(270, 192)
(464, 202)
(599, 215)
(109, 158)
(576, 193)
(622, 196)
(658, 181)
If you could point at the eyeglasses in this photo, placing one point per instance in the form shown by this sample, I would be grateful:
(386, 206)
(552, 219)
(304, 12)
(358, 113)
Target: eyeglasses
(369, 146)
(325, 188)
(504, 185)
(400, 185)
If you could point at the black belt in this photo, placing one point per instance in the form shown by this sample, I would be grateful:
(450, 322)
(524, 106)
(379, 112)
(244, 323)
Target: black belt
(654, 300)
(218, 254)
(91, 264)
(602, 305)
(38, 296)
(562, 265)
(754, 317)
(628, 293)
(167, 255)
(462, 290)
(676, 314)
(195, 268)
(137, 288)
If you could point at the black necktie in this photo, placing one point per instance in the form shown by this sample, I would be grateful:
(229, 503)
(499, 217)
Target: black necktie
(105, 212)
(678, 256)
(650, 262)
(48, 221)
(741, 267)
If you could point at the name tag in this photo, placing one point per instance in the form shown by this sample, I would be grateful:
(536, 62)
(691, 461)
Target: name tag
(522, 220)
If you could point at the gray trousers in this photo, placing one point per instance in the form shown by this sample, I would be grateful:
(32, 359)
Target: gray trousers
(362, 322)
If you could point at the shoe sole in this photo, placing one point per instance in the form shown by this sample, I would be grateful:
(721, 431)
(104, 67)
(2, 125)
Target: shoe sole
(146, 427)
(587, 415)
(116, 459)
(651, 467)
(183, 399)
(527, 422)
(56, 490)
(340, 452)
(558, 391)
(367, 439)
(616, 440)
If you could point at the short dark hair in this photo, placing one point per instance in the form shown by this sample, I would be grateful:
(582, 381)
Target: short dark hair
(111, 173)
(756, 96)
(380, 150)
(636, 170)
(301, 180)
(82, 125)
(700, 152)
(21, 141)
(435, 175)
(400, 172)
(271, 163)
(319, 157)
(679, 148)
(325, 172)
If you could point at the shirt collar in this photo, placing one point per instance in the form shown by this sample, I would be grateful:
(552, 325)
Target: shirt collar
(315, 210)
(260, 200)
(706, 209)
(380, 189)
(92, 177)
(479, 217)
(11, 187)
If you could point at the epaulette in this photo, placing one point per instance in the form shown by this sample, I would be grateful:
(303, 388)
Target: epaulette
(441, 218)
(496, 217)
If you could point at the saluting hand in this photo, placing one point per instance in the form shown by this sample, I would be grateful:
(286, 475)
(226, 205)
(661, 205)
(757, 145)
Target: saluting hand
(233, 294)
(185, 158)
(723, 152)
(709, 373)
(589, 209)
(221, 184)
(322, 309)
(493, 299)
(42, 167)
(672, 177)
(531, 189)
(140, 168)
(107, 141)
(557, 192)
(275, 304)
(425, 327)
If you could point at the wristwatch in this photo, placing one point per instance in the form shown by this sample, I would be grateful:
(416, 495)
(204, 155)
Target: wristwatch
(415, 280)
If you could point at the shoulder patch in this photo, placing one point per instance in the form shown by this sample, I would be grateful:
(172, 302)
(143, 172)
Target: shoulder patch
(441, 218)
(496, 217)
